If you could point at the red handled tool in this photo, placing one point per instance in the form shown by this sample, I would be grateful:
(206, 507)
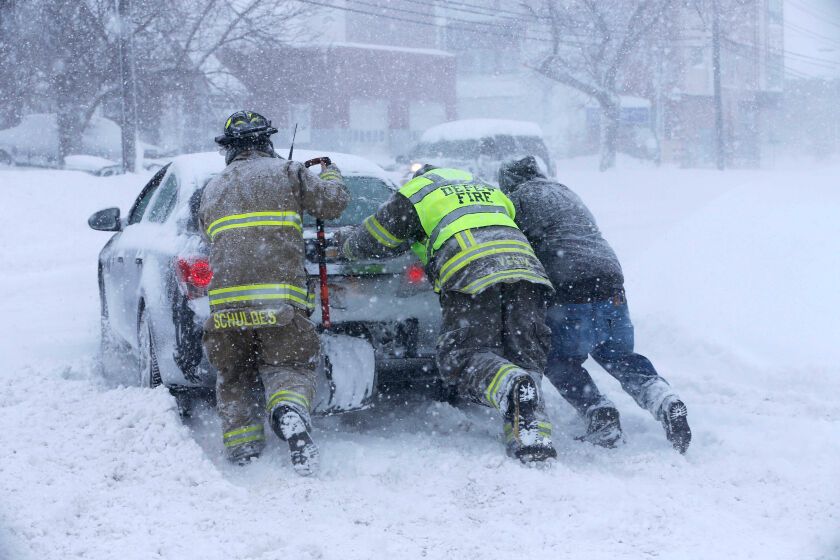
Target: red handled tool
(321, 244)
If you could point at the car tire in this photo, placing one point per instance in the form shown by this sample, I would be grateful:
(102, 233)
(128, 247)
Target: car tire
(6, 159)
(148, 369)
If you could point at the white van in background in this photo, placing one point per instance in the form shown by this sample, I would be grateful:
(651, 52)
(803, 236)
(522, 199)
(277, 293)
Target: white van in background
(479, 146)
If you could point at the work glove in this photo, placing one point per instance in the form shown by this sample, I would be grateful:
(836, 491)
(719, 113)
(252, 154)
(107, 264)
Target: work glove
(339, 240)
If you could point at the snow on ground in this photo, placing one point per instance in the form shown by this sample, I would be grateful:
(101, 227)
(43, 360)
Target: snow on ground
(731, 278)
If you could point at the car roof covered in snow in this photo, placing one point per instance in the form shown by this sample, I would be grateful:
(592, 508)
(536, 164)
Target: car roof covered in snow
(199, 167)
(468, 129)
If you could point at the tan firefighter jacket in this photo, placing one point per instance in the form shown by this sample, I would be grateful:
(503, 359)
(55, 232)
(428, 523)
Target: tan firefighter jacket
(251, 216)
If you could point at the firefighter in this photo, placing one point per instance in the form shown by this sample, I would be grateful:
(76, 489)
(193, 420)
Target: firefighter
(259, 336)
(588, 315)
(493, 291)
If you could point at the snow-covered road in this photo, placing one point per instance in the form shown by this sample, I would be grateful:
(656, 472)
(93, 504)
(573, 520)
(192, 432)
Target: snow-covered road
(732, 279)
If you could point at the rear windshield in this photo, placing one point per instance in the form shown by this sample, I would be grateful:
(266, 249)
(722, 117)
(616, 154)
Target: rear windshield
(499, 147)
(451, 149)
(533, 145)
(366, 195)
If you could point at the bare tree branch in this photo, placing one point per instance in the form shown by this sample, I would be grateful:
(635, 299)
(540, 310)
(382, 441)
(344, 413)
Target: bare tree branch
(608, 32)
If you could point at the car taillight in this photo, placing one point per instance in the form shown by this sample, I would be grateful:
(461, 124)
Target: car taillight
(194, 275)
(413, 282)
(415, 274)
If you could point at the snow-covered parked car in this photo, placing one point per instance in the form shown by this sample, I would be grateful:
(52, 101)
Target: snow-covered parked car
(34, 142)
(479, 146)
(95, 165)
(154, 273)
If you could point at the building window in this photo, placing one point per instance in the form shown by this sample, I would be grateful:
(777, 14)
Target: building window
(696, 56)
(481, 51)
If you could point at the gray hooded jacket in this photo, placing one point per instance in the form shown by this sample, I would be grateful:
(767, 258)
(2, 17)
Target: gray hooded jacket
(579, 261)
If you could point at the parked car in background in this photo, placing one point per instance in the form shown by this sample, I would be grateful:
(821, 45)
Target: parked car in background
(34, 142)
(479, 146)
(154, 272)
(95, 165)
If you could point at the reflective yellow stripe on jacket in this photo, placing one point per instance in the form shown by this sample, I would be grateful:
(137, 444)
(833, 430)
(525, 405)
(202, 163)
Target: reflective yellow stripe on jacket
(480, 250)
(260, 293)
(255, 219)
(382, 235)
(513, 274)
(450, 201)
(330, 176)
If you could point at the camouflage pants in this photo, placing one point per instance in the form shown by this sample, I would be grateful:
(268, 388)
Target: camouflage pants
(490, 338)
(261, 369)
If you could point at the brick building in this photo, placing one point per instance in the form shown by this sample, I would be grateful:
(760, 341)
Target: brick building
(356, 86)
(752, 79)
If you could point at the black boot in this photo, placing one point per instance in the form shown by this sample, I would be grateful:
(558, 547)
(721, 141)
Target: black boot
(290, 427)
(527, 429)
(675, 421)
(243, 454)
(603, 427)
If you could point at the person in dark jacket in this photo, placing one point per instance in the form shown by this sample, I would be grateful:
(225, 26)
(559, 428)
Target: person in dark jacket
(588, 315)
(493, 291)
(259, 336)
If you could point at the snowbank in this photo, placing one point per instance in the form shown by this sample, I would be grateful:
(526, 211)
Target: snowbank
(748, 259)
(728, 276)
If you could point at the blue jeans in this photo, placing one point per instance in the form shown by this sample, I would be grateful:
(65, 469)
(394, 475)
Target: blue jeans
(603, 330)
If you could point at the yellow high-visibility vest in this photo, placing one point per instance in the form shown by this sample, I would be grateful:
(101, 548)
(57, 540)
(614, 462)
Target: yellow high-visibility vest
(449, 201)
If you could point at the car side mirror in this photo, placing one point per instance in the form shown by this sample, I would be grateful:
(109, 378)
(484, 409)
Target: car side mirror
(106, 220)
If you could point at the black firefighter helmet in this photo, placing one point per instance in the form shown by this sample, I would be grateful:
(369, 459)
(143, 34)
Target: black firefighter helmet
(423, 169)
(245, 127)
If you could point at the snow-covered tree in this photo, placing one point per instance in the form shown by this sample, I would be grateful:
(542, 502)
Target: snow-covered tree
(592, 42)
(70, 51)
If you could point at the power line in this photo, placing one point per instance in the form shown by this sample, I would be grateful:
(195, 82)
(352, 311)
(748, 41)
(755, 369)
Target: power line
(787, 69)
(497, 28)
(809, 33)
(817, 13)
(402, 19)
(812, 59)
(448, 5)
(495, 25)
(491, 25)
(470, 8)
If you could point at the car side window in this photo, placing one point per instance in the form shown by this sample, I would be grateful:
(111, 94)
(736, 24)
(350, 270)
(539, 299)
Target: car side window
(534, 146)
(139, 207)
(164, 201)
(192, 225)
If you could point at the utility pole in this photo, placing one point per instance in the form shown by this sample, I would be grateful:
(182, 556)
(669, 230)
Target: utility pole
(9, 86)
(129, 98)
(720, 147)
